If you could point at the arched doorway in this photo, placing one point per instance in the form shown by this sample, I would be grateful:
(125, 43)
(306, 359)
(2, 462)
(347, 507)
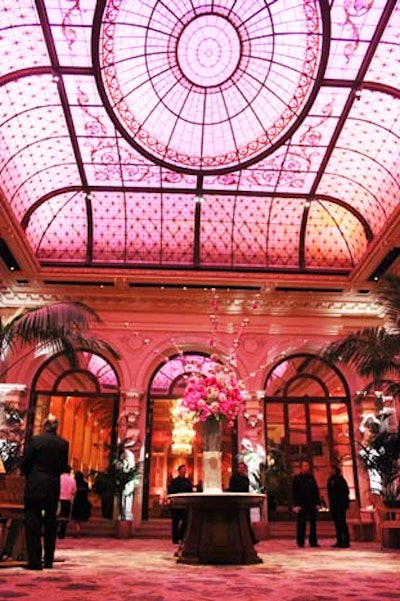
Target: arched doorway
(307, 416)
(170, 443)
(85, 398)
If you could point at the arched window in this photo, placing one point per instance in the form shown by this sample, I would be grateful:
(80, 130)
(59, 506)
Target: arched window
(307, 416)
(85, 399)
(163, 451)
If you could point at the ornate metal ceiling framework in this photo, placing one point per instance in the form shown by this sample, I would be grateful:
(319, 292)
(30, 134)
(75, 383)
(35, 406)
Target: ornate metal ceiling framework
(206, 137)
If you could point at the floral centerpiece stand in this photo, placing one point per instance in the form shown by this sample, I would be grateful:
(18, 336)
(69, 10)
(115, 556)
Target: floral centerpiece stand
(215, 399)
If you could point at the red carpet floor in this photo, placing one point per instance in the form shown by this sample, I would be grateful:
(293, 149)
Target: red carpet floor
(108, 569)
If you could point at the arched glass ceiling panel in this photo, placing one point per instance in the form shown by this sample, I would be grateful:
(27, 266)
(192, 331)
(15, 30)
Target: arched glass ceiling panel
(267, 232)
(59, 142)
(358, 193)
(156, 229)
(58, 229)
(334, 237)
(23, 46)
(206, 87)
(294, 166)
(353, 27)
(364, 167)
(71, 29)
(37, 154)
(106, 156)
(383, 69)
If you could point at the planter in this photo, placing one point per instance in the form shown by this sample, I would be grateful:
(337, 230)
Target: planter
(123, 528)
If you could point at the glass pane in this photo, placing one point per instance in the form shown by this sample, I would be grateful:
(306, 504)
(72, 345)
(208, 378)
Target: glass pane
(86, 422)
(339, 413)
(321, 457)
(276, 477)
(298, 447)
(318, 413)
(342, 449)
(274, 412)
(297, 414)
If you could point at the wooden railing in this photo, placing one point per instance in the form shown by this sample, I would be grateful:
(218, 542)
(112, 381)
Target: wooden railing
(12, 536)
(387, 523)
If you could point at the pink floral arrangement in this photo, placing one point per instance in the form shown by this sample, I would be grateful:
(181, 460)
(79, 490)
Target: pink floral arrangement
(213, 396)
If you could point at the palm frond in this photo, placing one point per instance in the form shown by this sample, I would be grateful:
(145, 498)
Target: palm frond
(57, 319)
(47, 323)
(386, 386)
(372, 351)
(63, 326)
(94, 345)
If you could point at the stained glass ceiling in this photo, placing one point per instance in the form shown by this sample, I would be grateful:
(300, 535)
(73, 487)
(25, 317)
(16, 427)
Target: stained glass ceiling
(233, 136)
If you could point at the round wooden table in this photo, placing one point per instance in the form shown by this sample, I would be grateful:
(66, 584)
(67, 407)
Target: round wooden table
(218, 527)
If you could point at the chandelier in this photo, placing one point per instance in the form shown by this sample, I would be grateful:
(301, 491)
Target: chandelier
(183, 431)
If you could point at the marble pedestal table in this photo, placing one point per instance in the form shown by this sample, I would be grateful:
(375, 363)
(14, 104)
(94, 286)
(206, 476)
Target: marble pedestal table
(218, 527)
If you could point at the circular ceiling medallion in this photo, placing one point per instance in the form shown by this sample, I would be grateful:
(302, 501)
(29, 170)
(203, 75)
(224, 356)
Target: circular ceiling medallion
(208, 50)
(207, 87)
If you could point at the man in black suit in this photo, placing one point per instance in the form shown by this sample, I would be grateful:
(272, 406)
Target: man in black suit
(177, 485)
(45, 459)
(339, 502)
(306, 501)
(239, 482)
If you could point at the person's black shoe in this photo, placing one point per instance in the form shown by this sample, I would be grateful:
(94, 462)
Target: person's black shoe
(48, 562)
(32, 567)
(344, 545)
(300, 546)
(336, 545)
(315, 545)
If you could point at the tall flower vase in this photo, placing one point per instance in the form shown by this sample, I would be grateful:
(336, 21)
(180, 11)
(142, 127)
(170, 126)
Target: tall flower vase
(212, 455)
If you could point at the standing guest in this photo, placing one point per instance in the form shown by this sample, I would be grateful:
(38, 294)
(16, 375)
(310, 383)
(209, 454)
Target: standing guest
(240, 482)
(67, 492)
(45, 459)
(81, 507)
(339, 502)
(180, 484)
(306, 501)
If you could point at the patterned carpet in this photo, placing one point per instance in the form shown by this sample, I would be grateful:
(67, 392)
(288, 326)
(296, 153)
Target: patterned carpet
(108, 569)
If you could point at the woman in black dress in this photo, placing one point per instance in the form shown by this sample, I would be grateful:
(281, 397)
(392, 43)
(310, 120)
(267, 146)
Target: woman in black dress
(81, 506)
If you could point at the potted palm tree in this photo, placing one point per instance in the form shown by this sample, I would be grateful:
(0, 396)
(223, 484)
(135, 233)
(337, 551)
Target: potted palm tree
(116, 487)
(375, 353)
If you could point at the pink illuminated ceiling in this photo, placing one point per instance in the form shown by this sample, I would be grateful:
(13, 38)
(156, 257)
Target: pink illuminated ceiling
(260, 135)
